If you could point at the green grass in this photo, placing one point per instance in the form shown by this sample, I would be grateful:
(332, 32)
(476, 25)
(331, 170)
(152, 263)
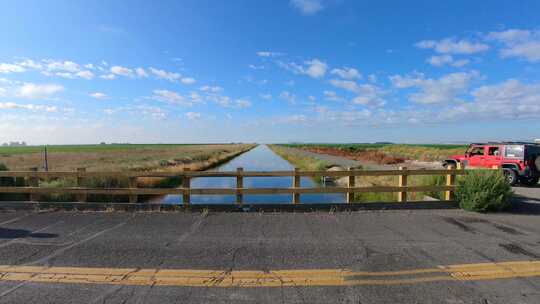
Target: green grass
(424, 152)
(300, 161)
(87, 148)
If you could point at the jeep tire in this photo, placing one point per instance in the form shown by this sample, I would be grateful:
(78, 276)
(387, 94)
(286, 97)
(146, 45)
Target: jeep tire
(510, 176)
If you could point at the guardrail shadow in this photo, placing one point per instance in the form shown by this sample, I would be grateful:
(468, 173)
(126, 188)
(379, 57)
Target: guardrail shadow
(525, 205)
(7, 233)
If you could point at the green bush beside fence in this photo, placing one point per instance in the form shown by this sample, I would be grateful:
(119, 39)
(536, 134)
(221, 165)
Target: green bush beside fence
(483, 191)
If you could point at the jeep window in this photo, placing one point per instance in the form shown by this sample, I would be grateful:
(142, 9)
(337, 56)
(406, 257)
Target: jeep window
(515, 151)
(477, 151)
(493, 151)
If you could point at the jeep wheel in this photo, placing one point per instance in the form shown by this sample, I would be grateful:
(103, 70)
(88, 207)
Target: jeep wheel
(531, 181)
(510, 176)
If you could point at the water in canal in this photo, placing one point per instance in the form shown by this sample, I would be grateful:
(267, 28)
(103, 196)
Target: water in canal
(260, 158)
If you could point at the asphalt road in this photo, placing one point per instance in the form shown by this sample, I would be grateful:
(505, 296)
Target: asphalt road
(358, 257)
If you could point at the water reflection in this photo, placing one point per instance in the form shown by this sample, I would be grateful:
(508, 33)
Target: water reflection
(260, 158)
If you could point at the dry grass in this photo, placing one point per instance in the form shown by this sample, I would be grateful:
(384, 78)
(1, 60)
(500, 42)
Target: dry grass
(129, 158)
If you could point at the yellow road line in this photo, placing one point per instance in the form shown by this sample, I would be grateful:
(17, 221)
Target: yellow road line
(277, 278)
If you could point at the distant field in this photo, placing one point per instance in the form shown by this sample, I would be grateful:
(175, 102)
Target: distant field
(119, 157)
(387, 153)
(90, 148)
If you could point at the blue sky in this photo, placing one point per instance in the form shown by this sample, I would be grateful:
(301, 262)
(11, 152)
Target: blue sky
(269, 71)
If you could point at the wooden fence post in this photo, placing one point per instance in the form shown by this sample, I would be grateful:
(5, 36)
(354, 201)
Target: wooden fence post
(350, 184)
(81, 197)
(451, 181)
(133, 198)
(33, 182)
(239, 184)
(296, 184)
(402, 195)
(186, 186)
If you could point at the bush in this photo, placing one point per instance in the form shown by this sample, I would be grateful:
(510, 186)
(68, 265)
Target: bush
(483, 191)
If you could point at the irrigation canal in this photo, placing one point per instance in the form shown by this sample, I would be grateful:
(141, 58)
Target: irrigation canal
(261, 158)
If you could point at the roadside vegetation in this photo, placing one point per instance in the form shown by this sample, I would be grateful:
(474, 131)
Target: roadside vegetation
(120, 157)
(110, 158)
(483, 191)
(311, 163)
(385, 153)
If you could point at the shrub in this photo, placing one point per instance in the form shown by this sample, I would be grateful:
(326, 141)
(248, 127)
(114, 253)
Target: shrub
(483, 191)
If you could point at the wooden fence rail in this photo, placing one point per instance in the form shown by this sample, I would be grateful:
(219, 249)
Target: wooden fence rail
(33, 188)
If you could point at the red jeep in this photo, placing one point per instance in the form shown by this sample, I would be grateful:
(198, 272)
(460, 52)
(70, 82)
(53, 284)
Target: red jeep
(520, 161)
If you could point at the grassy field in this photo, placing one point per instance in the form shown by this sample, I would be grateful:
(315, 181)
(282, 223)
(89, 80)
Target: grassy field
(310, 163)
(119, 157)
(388, 153)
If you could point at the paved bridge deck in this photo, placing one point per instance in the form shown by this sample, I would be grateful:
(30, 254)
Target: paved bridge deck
(420, 256)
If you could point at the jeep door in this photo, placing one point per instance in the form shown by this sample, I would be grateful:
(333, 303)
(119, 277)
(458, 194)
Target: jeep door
(477, 156)
(493, 157)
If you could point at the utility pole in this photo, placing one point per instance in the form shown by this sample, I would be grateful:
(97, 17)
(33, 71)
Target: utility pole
(46, 159)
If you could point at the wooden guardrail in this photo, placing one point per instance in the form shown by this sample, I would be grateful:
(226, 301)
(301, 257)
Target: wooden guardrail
(33, 177)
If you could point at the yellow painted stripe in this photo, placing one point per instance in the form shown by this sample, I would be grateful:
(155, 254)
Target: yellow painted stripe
(276, 278)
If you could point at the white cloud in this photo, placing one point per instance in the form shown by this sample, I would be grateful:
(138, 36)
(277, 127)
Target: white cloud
(149, 111)
(300, 118)
(256, 67)
(443, 90)
(316, 68)
(518, 43)
(510, 99)
(348, 85)
(85, 74)
(30, 107)
(332, 96)
(447, 60)
(35, 91)
(161, 74)
(122, 71)
(31, 64)
(99, 95)
(227, 102)
(288, 97)
(211, 89)
(188, 80)
(268, 54)
(313, 68)
(108, 76)
(266, 96)
(171, 97)
(367, 94)
(372, 78)
(347, 73)
(62, 66)
(453, 46)
(243, 103)
(89, 66)
(6, 68)
(193, 115)
(141, 73)
(307, 7)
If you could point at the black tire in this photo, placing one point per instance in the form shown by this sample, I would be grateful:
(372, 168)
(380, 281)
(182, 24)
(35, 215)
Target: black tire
(537, 163)
(531, 181)
(510, 176)
(450, 164)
